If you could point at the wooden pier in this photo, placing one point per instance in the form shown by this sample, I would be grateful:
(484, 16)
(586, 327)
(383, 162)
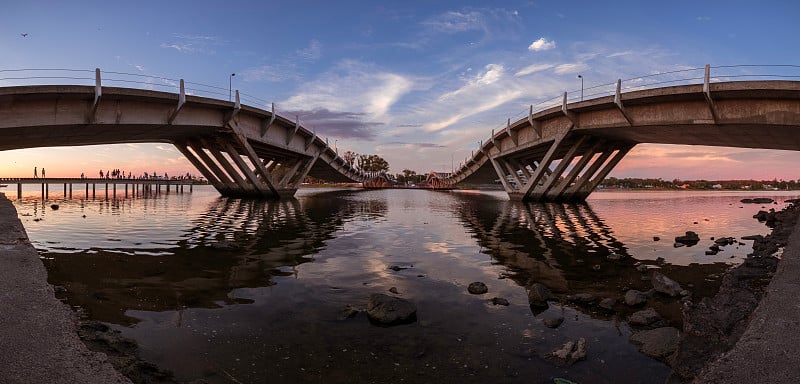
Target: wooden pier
(132, 186)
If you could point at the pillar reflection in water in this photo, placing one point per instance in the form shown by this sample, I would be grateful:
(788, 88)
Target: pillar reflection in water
(235, 243)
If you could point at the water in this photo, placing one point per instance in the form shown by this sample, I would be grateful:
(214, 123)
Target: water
(232, 290)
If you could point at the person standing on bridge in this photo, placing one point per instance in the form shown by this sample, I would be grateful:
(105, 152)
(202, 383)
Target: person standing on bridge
(35, 174)
(43, 172)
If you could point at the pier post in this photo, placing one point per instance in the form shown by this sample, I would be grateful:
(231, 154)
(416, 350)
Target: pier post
(19, 191)
(65, 189)
(114, 196)
(106, 191)
(70, 191)
(93, 190)
(126, 190)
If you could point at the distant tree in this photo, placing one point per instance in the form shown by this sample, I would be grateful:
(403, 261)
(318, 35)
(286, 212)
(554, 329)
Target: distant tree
(350, 157)
(372, 163)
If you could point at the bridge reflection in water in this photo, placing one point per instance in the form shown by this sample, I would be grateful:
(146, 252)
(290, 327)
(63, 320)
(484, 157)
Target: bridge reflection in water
(570, 249)
(234, 244)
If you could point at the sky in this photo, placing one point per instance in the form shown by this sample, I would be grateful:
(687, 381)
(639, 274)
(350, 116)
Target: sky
(419, 83)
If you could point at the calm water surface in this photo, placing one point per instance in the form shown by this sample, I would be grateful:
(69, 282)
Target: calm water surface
(231, 290)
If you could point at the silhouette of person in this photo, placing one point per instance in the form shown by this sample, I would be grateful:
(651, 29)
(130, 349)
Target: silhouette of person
(43, 172)
(35, 174)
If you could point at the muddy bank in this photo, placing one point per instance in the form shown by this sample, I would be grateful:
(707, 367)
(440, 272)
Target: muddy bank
(38, 340)
(714, 325)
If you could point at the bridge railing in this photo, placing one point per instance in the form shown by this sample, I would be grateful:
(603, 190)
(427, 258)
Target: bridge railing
(62, 76)
(682, 76)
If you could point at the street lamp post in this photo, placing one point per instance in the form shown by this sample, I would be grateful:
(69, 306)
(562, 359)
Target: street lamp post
(335, 148)
(230, 85)
(581, 77)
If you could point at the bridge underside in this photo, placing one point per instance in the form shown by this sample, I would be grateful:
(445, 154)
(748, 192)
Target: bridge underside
(565, 169)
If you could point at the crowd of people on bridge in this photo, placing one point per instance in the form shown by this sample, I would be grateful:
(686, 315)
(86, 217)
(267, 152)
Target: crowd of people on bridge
(122, 175)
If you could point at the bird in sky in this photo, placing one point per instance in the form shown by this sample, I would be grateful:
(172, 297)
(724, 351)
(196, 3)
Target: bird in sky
(24, 34)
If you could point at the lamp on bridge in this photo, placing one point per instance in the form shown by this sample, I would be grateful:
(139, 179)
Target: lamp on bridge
(581, 77)
(230, 85)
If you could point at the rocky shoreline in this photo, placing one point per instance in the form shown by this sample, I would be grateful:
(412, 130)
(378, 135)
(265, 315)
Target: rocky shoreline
(713, 326)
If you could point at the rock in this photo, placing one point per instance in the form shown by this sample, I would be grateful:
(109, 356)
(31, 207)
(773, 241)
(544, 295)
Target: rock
(659, 343)
(665, 285)
(596, 267)
(678, 245)
(691, 238)
(641, 268)
(571, 352)
(348, 312)
(397, 268)
(552, 322)
(656, 238)
(647, 317)
(634, 297)
(757, 200)
(581, 298)
(723, 241)
(538, 295)
(615, 256)
(54, 206)
(477, 288)
(387, 310)
(225, 245)
(607, 304)
(393, 290)
(499, 301)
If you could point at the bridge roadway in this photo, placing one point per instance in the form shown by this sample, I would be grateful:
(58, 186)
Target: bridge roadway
(561, 153)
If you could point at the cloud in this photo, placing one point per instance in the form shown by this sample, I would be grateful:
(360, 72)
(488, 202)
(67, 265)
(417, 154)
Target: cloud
(571, 68)
(415, 145)
(541, 44)
(185, 43)
(354, 86)
(493, 73)
(453, 22)
(310, 53)
(275, 73)
(533, 68)
(345, 125)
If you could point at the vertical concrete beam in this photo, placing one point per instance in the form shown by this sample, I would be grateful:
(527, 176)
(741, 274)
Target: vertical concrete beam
(618, 102)
(257, 163)
(98, 91)
(707, 93)
(181, 102)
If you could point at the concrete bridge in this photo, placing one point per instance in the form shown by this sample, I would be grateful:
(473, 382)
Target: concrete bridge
(560, 153)
(240, 150)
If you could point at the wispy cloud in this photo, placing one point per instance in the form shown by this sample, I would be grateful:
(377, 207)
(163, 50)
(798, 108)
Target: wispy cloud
(453, 22)
(542, 44)
(533, 68)
(571, 68)
(354, 86)
(186, 43)
(288, 68)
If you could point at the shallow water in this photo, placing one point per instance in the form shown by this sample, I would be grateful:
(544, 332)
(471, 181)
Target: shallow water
(163, 271)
